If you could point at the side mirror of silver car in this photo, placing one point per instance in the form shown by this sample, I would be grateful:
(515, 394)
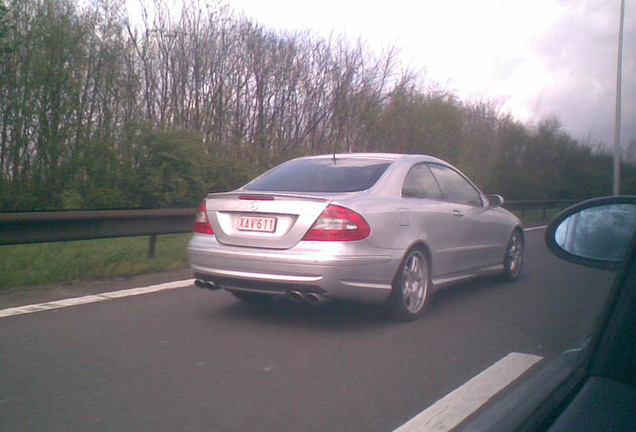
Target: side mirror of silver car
(594, 233)
(495, 200)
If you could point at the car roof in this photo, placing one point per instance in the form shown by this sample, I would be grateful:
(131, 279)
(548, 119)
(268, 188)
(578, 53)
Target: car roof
(381, 156)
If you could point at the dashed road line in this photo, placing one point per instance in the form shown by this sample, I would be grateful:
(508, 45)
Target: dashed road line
(455, 407)
(59, 304)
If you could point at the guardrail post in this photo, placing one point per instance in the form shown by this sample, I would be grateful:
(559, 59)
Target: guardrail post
(151, 246)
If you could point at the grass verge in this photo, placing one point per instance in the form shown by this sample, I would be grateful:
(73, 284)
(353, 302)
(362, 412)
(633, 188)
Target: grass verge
(76, 261)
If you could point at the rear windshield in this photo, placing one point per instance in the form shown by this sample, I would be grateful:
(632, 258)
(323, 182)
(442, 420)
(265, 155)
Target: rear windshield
(321, 175)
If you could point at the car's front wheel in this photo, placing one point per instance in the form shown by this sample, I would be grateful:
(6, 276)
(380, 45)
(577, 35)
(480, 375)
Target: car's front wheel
(513, 260)
(410, 287)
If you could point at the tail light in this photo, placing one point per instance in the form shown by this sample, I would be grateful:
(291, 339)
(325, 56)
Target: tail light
(338, 223)
(201, 222)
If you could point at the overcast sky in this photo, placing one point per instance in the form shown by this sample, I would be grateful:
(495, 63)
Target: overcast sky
(536, 57)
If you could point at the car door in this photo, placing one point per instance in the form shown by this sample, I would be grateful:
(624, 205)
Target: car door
(431, 218)
(472, 248)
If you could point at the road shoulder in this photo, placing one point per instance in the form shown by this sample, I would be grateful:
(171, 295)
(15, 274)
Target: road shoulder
(47, 293)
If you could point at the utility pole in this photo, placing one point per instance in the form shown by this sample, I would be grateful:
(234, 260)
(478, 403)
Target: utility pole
(617, 123)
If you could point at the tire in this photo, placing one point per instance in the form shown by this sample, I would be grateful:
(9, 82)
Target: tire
(513, 260)
(253, 298)
(410, 286)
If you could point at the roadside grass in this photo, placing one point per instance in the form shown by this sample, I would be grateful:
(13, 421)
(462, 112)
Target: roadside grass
(76, 261)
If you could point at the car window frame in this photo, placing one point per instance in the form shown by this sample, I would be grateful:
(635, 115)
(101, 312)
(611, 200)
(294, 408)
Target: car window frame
(482, 201)
(426, 165)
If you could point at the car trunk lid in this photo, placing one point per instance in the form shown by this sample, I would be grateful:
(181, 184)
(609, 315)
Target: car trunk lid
(264, 220)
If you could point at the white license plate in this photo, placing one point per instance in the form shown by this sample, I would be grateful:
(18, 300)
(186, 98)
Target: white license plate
(259, 224)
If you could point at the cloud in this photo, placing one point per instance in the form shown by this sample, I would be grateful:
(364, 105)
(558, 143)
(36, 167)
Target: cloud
(539, 58)
(579, 53)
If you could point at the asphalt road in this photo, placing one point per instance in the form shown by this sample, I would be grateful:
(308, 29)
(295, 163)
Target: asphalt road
(192, 360)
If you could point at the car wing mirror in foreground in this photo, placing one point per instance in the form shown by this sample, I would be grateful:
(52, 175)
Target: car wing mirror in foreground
(594, 233)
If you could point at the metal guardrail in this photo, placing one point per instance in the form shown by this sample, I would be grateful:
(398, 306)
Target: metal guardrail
(539, 204)
(543, 205)
(59, 226)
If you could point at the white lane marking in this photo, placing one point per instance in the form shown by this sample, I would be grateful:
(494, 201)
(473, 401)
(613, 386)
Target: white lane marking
(537, 228)
(455, 407)
(93, 298)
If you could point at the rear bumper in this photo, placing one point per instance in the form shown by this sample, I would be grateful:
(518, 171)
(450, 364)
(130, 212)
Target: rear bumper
(351, 271)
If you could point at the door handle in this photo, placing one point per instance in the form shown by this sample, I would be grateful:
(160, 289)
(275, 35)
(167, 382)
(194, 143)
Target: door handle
(458, 214)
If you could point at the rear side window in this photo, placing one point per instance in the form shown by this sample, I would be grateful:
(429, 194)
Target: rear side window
(420, 183)
(321, 175)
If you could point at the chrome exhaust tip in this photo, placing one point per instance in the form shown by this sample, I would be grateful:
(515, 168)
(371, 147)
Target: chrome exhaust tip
(315, 298)
(206, 285)
(295, 296)
(212, 286)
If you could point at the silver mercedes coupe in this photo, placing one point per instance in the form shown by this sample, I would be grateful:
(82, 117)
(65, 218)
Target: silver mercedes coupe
(368, 227)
